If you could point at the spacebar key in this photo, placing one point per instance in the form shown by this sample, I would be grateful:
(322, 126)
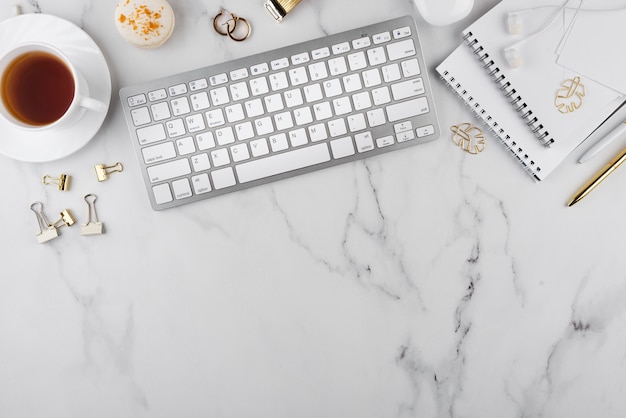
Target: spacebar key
(283, 163)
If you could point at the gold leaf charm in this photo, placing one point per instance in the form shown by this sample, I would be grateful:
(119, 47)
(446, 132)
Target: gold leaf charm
(570, 96)
(469, 137)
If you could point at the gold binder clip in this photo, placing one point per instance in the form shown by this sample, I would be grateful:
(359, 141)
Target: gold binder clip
(47, 231)
(62, 182)
(92, 227)
(103, 171)
(66, 219)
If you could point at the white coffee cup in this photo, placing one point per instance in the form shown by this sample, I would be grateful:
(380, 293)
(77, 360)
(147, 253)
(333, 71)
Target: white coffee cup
(41, 89)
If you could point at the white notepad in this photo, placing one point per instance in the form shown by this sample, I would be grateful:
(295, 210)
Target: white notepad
(462, 72)
(533, 87)
(596, 45)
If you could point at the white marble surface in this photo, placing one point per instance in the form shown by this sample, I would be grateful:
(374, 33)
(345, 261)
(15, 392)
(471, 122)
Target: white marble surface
(424, 283)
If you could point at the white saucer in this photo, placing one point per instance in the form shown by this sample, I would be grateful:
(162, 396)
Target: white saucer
(48, 145)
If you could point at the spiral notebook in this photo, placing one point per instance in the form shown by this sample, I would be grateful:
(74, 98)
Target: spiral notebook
(557, 104)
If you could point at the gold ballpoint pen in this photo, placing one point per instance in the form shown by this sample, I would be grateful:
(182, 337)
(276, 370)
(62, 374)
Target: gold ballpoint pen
(598, 178)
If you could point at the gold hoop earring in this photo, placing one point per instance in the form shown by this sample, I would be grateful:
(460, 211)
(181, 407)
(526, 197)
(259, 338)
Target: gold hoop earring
(229, 26)
(237, 20)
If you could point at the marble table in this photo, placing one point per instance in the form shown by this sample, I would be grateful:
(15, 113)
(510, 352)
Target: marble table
(421, 283)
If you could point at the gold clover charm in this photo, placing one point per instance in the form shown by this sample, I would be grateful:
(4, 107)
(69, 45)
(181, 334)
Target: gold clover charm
(469, 137)
(570, 95)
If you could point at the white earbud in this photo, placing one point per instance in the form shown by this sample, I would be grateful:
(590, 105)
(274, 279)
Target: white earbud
(513, 57)
(514, 23)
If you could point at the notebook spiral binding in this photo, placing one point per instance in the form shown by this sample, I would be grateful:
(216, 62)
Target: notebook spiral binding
(520, 156)
(509, 91)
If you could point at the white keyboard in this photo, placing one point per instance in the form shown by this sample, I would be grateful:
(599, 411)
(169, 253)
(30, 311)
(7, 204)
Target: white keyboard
(284, 112)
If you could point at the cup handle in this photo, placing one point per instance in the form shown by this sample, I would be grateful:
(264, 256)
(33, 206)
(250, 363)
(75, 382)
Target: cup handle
(92, 104)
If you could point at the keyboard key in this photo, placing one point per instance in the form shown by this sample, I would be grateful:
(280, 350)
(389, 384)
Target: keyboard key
(405, 110)
(205, 141)
(364, 142)
(301, 58)
(219, 96)
(381, 96)
(223, 178)
(341, 48)
(402, 49)
(320, 53)
(254, 108)
(303, 116)
(160, 111)
(298, 137)
(318, 71)
(279, 142)
(199, 84)
(313, 93)
(244, 131)
(376, 56)
(298, 76)
(178, 90)
(361, 43)
(405, 136)
(425, 131)
(215, 118)
(220, 157)
(337, 127)
(357, 61)
(332, 88)
(410, 68)
(259, 86)
(175, 128)
(283, 121)
(186, 146)
(240, 152)
(157, 153)
(293, 98)
(274, 103)
(384, 141)
(283, 163)
(260, 68)
(157, 95)
(137, 100)
(371, 77)
(376, 117)
(323, 111)
(342, 147)
(200, 101)
(264, 126)
(180, 106)
(225, 136)
(151, 134)
(279, 64)
(259, 147)
(162, 194)
(380, 38)
(141, 116)
(235, 113)
(318, 132)
(170, 170)
(181, 188)
(239, 91)
(409, 88)
(352, 83)
(218, 79)
(391, 73)
(278, 81)
(201, 183)
(337, 66)
(200, 162)
(402, 32)
(239, 74)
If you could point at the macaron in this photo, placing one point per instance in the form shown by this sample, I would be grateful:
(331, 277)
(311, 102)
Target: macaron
(144, 23)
